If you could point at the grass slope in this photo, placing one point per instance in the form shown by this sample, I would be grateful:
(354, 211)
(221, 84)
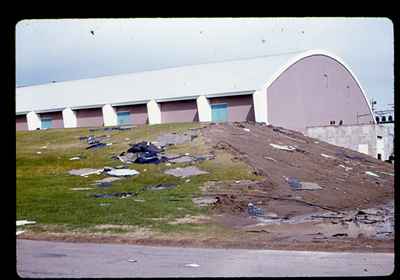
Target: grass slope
(43, 184)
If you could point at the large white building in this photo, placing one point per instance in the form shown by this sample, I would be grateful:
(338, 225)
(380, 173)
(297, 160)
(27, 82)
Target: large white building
(293, 90)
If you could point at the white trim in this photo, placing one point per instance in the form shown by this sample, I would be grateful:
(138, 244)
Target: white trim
(308, 53)
(203, 109)
(95, 106)
(153, 112)
(260, 106)
(120, 104)
(49, 110)
(33, 121)
(227, 94)
(69, 118)
(109, 115)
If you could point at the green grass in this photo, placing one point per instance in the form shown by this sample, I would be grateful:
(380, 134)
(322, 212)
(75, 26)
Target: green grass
(43, 184)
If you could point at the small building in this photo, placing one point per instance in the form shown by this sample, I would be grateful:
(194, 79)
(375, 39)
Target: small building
(293, 90)
(376, 140)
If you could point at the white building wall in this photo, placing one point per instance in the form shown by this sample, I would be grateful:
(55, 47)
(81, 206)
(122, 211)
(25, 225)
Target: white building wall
(260, 106)
(33, 120)
(203, 108)
(69, 118)
(360, 138)
(109, 115)
(153, 112)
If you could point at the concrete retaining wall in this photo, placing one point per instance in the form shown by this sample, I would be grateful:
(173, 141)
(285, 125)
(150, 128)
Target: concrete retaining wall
(361, 138)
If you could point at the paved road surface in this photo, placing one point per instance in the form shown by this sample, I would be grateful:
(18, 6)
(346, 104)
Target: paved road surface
(58, 259)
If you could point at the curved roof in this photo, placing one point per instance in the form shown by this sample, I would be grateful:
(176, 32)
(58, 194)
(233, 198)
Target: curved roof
(210, 79)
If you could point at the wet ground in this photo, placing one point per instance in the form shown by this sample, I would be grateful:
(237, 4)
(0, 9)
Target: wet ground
(351, 205)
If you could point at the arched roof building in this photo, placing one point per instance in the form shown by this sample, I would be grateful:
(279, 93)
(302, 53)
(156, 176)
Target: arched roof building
(293, 90)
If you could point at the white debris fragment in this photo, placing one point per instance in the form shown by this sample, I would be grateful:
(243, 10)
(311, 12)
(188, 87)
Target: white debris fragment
(127, 139)
(43, 147)
(80, 189)
(187, 181)
(327, 156)
(371, 173)
(75, 158)
(386, 173)
(246, 129)
(345, 167)
(20, 232)
(286, 147)
(108, 144)
(186, 154)
(237, 182)
(38, 153)
(192, 265)
(270, 158)
(132, 260)
(123, 172)
(84, 172)
(316, 142)
(25, 222)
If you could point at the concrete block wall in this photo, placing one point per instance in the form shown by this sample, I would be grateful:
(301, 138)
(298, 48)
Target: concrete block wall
(356, 137)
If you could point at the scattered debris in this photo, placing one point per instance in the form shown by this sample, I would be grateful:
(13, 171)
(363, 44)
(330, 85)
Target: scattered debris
(186, 171)
(122, 172)
(160, 187)
(132, 260)
(270, 158)
(96, 146)
(75, 158)
(371, 173)
(80, 189)
(169, 139)
(20, 232)
(345, 167)
(293, 182)
(107, 180)
(85, 171)
(284, 147)
(246, 129)
(25, 222)
(386, 173)
(339, 234)
(104, 204)
(204, 201)
(39, 153)
(328, 156)
(114, 194)
(254, 211)
(309, 186)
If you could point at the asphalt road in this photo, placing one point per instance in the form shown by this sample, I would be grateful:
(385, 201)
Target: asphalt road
(61, 259)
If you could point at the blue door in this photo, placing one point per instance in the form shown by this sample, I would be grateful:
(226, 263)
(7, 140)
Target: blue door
(219, 113)
(123, 118)
(46, 123)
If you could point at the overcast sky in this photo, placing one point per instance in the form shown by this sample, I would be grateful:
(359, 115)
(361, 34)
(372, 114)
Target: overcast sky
(66, 49)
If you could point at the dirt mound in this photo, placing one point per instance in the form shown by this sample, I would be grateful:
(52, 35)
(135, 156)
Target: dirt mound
(283, 156)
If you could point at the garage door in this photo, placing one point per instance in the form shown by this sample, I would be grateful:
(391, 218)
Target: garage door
(123, 118)
(46, 123)
(219, 112)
